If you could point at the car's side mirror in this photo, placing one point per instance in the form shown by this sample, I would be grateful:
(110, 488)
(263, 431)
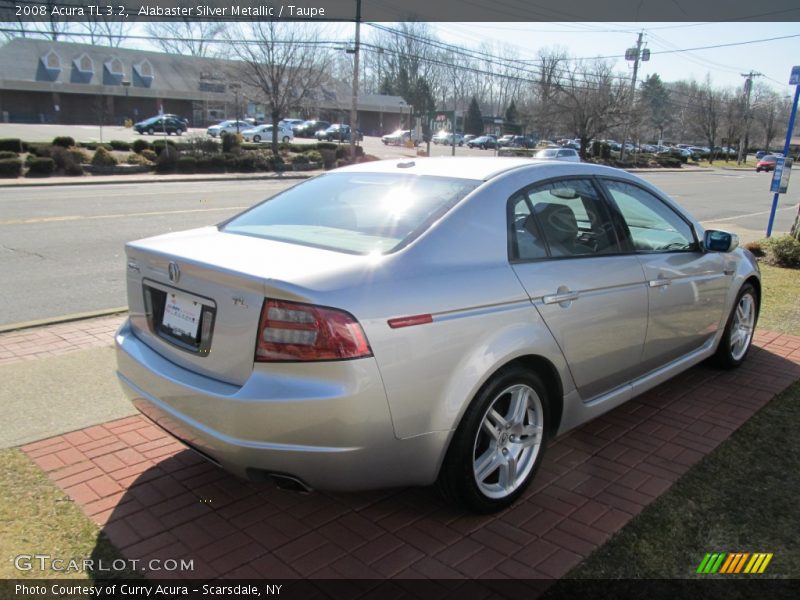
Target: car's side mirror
(720, 241)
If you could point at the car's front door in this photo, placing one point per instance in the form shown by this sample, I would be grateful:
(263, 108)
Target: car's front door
(566, 253)
(687, 287)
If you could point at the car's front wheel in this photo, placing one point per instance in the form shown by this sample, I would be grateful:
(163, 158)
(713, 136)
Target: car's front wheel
(256, 138)
(285, 139)
(738, 336)
(499, 444)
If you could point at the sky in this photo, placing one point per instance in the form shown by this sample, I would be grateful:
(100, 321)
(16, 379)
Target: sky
(773, 58)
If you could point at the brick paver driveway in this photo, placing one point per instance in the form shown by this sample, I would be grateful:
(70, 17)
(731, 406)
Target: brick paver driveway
(155, 499)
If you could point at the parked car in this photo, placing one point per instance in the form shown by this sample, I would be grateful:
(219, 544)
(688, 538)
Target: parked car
(291, 122)
(338, 132)
(263, 133)
(230, 126)
(310, 128)
(469, 137)
(505, 140)
(446, 138)
(401, 323)
(168, 124)
(761, 154)
(483, 142)
(767, 163)
(400, 137)
(565, 154)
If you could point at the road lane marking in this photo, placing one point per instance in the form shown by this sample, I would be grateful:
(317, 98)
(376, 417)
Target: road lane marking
(758, 214)
(117, 216)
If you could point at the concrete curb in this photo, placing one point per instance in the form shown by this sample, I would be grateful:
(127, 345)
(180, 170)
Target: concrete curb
(119, 179)
(81, 316)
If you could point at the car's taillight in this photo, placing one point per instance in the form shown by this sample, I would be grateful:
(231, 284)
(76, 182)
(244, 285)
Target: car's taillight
(292, 331)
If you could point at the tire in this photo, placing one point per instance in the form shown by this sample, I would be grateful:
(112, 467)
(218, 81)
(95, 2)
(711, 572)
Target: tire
(285, 139)
(256, 138)
(758, 169)
(179, 132)
(150, 131)
(489, 435)
(738, 336)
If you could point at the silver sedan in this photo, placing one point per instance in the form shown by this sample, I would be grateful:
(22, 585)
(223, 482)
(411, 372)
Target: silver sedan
(427, 320)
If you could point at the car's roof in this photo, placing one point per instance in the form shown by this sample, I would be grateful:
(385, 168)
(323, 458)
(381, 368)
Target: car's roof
(477, 168)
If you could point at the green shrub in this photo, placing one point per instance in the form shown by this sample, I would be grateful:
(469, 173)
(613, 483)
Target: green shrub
(64, 141)
(8, 154)
(120, 145)
(40, 150)
(73, 168)
(669, 161)
(783, 251)
(230, 141)
(299, 159)
(12, 145)
(211, 164)
(313, 156)
(40, 165)
(367, 158)
(159, 145)
(246, 162)
(10, 167)
(79, 156)
(139, 144)
(187, 164)
(149, 155)
(343, 151)
(328, 158)
(138, 159)
(94, 146)
(167, 159)
(327, 146)
(103, 158)
(755, 247)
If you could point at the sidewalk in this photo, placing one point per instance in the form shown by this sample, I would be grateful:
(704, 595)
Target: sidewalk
(153, 498)
(151, 178)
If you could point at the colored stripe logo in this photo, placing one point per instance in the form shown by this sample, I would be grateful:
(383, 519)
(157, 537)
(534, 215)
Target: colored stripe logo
(731, 563)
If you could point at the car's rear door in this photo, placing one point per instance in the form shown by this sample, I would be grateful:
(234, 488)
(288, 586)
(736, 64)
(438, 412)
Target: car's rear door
(686, 287)
(592, 296)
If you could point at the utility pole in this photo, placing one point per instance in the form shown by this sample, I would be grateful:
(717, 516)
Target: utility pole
(748, 87)
(634, 54)
(354, 104)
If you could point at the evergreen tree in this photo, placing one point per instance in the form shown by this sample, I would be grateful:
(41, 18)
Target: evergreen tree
(474, 121)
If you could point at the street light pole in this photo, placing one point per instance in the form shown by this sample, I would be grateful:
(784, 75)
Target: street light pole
(354, 100)
(235, 87)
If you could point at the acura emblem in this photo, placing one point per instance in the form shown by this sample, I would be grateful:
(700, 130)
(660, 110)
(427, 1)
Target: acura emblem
(174, 272)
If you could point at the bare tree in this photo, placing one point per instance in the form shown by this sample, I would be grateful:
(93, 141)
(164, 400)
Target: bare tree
(591, 100)
(769, 112)
(195, 38)
(52, 27)
(101, 30)
(707, 109)
(284, 63)
(543, 110)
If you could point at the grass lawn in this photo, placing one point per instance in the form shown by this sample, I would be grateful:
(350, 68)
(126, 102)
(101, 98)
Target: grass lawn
(742, 497)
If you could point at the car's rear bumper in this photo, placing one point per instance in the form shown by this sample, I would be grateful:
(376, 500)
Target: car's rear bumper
(326, 424)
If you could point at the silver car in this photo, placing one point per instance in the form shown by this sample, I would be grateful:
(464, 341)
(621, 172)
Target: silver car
(428, 320)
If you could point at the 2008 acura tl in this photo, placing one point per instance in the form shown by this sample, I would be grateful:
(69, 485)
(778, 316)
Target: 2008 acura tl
(402, 323)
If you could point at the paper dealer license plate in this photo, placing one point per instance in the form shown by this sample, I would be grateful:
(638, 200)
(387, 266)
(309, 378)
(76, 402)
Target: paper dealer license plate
(182, 314)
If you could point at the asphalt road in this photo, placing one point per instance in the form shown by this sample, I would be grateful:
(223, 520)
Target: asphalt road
(62, 248)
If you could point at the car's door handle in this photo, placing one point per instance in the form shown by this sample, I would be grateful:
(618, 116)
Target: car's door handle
(660, 282)
(560, 297)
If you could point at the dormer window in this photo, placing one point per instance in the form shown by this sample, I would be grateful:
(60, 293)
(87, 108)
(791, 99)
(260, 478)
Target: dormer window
(144, 69)
(84, 64)
(51, 61)
(114, 66)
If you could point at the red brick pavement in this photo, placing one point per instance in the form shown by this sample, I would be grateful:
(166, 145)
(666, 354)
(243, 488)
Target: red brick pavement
(52, 340)
(156, 500)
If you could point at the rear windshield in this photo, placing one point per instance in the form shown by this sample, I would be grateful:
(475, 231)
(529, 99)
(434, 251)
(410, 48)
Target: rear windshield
(359, 213)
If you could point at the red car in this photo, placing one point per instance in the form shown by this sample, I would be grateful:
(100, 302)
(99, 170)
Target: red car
(767, 163)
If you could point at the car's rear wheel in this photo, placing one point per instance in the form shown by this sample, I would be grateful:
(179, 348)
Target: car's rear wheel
(256, 138)
(738, 336)
(150, 131)
(499, 444)
(285, 139)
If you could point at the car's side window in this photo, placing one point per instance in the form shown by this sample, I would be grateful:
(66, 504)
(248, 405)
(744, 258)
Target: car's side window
(527, 242)
(653, 226)
(572, 218)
